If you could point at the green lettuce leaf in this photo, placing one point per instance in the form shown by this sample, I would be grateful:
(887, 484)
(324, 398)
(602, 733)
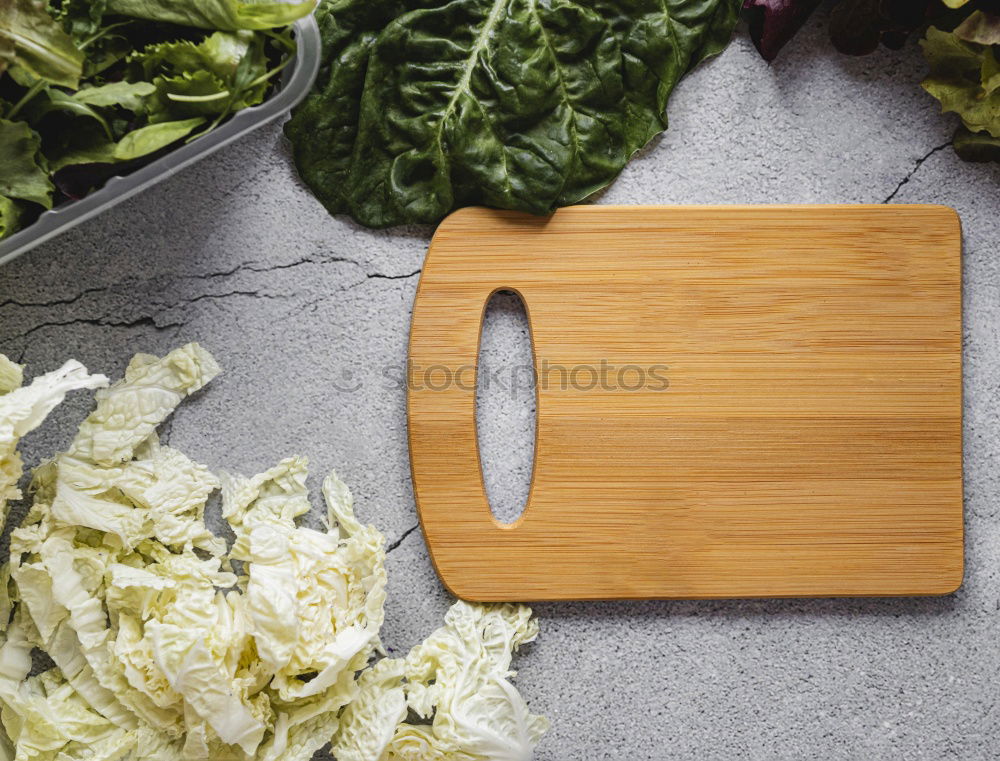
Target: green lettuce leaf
(53, 99)
(153, 137)
(101, 151)
(963, 77)
(82, 18)
(21, 168)
(219, 53)
(31, 38)
(140, 142)
(10, 216)
(189, 94)
(228, 15)
(7, 52)
(981, 28)
(128, 95)
(521, 104)
(224, 72)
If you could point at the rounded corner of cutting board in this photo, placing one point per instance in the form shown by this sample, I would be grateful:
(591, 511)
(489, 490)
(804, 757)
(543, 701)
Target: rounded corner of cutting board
(950, 582)
(468, 588)
(946, 213)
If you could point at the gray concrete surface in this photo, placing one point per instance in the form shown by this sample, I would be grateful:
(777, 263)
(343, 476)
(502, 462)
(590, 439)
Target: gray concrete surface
(236, 254)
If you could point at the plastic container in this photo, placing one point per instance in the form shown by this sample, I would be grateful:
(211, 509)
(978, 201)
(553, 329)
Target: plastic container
(295, 83)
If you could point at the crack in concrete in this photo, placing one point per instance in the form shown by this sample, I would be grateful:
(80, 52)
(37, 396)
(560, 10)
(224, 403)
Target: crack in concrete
(103, 322)
(916, 166)
(150, 319)
(155, 320)
(54, 302)
(242, 267)
(402, 536)
(251, 266)
(203, 296)
(381, 276)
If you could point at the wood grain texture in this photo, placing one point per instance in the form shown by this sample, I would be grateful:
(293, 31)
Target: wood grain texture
(809, 440)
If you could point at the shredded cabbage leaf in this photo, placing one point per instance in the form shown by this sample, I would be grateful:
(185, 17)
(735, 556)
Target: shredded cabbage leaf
(23, 409)
(456, 685)
(167, 643)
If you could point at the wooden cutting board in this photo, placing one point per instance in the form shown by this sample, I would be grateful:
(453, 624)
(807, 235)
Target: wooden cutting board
(807, 440)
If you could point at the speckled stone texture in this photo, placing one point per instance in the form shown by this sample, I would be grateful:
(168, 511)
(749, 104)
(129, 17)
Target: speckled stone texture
(300, 308)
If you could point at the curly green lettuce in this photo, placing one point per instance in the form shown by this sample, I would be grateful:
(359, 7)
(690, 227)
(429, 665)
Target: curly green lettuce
(965, 78)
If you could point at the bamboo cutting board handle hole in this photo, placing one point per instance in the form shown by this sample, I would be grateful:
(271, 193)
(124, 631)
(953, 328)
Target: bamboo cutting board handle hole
(506, 405)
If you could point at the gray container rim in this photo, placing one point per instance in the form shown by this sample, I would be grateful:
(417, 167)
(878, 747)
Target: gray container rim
(298, 79)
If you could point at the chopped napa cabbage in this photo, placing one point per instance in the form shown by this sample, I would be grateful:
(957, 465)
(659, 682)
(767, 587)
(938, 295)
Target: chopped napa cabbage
(129, 411)
(11, 374)
(23, 408)
(315, 599)
(457, 683)
(170, 646)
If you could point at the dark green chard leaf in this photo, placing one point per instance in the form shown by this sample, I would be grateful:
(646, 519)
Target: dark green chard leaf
(22, 171)
(324, 128)
(228, 15)
(426, 105)
(33, 40)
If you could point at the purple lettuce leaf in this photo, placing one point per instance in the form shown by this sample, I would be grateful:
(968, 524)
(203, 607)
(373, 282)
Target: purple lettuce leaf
(775, 22)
